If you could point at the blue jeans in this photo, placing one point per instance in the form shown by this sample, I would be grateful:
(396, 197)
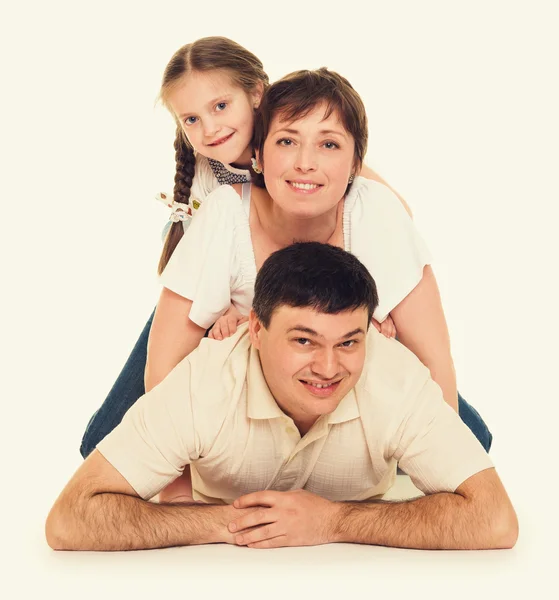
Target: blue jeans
(126, 390)
(130, 386)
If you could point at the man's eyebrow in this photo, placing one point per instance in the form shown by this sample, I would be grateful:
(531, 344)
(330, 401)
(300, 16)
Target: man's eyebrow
(354, 332)
(304, 329)
(310, 331)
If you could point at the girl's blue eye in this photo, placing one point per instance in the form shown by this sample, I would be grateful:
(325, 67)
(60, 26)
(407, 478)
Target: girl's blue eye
(221, 105)
(190, 120)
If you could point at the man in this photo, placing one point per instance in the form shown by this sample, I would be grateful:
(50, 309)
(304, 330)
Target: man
(291, 427)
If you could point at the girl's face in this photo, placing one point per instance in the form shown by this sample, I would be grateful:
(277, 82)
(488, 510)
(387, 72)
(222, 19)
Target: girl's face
(307, 163)
(216, 115)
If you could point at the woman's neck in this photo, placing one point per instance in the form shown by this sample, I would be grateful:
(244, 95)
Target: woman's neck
(283, 229)
(243, 162)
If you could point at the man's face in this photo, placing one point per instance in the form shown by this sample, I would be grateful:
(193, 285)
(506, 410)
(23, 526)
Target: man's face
(310, 360)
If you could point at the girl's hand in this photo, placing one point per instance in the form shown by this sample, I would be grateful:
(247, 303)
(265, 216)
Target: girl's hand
(387, 327)
(227, 325)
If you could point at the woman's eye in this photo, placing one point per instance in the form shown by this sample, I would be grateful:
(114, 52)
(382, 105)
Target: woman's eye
(331, 145)
(285, 142)
(221, 105)
(190, 120)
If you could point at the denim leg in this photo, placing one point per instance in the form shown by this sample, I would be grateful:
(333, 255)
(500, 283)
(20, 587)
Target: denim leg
(126, 390)
(473, 420)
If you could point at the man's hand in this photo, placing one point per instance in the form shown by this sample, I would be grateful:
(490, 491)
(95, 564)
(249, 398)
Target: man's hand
(227, 325)
(296, 518)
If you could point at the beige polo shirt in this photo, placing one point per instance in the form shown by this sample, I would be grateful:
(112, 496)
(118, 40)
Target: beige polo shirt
(215, 412)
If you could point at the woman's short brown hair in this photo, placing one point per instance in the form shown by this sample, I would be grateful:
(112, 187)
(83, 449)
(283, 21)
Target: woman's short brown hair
(297, 94)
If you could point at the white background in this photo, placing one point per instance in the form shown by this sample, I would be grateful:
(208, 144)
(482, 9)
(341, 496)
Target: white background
(462, 101)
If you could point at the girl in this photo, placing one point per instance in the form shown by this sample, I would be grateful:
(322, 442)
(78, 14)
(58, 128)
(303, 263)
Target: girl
(211, 87)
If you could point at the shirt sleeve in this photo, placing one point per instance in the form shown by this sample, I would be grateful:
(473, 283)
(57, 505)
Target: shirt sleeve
(386, 241)
(157, 436)
(201, 265)
(435, 447)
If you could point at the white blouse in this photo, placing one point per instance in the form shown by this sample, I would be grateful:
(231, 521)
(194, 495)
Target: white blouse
(213, 264)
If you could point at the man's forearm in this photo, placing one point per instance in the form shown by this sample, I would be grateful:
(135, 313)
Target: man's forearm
(436, 522)
(120, 522)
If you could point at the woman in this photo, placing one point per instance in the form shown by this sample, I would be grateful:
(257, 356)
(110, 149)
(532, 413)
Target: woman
(310, 140)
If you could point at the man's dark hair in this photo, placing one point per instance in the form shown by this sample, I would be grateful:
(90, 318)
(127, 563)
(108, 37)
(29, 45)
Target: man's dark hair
(309, 274)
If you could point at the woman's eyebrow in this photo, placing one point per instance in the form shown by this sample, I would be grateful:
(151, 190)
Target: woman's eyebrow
(321, 132)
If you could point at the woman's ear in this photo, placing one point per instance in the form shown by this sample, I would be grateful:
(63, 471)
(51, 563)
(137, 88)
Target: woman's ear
(256, 164)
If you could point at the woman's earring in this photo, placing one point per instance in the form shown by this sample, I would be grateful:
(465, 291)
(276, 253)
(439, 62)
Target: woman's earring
(351, 178)
(255, 166)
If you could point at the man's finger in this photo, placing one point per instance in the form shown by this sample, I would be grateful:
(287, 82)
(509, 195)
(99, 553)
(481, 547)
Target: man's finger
(261, 516)
(259, 534)
(278, 542)
(263, 498)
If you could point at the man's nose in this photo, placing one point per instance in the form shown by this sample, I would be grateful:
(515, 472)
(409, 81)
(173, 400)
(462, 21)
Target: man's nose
(326, 364)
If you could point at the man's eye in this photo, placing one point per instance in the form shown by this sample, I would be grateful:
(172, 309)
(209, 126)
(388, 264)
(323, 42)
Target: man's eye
(285, 142)
(190, 120)
(303, 341)
(221, 105)
(348, 343)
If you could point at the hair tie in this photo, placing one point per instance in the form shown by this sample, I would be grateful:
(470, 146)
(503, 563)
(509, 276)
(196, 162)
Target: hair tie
(180, 212)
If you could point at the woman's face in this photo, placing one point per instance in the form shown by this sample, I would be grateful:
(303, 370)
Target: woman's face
(216, 115)
(307, 163)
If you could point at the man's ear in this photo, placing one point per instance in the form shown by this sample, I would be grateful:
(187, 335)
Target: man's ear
(255, 327)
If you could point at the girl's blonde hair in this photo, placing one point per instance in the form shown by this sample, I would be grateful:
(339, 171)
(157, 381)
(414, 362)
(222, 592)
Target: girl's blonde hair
(203, 55)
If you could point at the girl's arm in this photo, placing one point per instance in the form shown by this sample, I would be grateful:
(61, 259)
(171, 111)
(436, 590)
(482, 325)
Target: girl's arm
(368, 173)
(421, 327)
(172, 337)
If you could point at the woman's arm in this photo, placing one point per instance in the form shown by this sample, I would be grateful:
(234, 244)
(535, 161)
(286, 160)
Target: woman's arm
(421, 327)
(368, 173)
(172, 337)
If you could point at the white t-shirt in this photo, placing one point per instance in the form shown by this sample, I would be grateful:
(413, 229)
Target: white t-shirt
(213, 265)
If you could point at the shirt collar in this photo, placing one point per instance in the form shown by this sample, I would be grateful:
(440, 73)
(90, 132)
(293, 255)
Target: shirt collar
(346, 410)
(226, 174)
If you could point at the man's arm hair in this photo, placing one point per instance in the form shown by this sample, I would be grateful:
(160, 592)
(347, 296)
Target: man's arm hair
(99, 510)
(477, 516)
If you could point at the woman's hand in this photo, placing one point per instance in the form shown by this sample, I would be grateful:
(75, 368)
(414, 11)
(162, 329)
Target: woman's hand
(387, 327)
(227, 325)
